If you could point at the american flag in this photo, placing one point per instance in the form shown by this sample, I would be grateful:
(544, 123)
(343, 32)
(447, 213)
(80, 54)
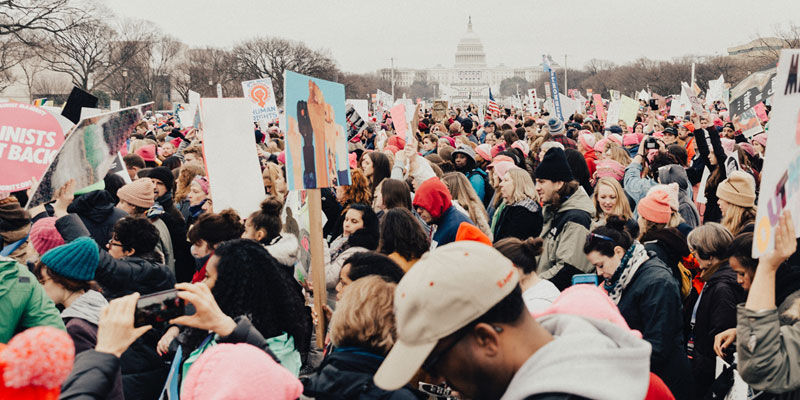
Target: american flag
(492, 105)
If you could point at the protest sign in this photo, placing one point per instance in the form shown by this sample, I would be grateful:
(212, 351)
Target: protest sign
(29, 140)
(361, 107)
(752, 90)
(533, 101)
(355, 124)
(316, 151)
(398, 113)
(643, 95)
(547, 93)
(194, 97)
(383, 102)
(715, 89)
(186, 114)
(694, 102)
(553, 87)
(114, 105)
(75, 102)
(88, 151)
(761, 112)
(262, 99)
(612, 116)
(87, 112)
(600, 111)
(118, 167)
(628, 109)
(234, 172)
(439, 110)
(780, 175)
(748, 123)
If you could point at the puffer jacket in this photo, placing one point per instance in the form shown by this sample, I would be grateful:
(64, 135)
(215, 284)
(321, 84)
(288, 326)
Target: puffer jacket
(564, 233)
(347, 373)
(98, 214)
(23, 301)
(521, 220)
(651, 304)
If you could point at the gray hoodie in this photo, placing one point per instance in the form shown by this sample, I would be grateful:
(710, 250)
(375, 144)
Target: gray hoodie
(589, 357)
(686, 208)
(87, 307)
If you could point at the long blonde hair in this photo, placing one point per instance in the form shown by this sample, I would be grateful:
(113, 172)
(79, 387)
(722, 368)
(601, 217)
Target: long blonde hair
(621, 209)
(461, 191)
(523, 185)
(736, 217)
(617, 153)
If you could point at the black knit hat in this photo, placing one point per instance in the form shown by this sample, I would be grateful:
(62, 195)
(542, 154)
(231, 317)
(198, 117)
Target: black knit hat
(164, 175)
(554, 166)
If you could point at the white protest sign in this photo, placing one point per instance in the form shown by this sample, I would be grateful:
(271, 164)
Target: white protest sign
(231, 160)
(361, 106)
(194, 97)
(612, 115)
(114, 105)
(88, 112)
(694, 102)
(780, 176)
(715, 89)
(262, 99)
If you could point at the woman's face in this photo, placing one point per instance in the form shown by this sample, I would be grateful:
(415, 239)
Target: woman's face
(758, 147)
(490, 139)
(507, 188)
(54, 291)
(279, 184)
(428, 145)
(605, 265)
(344, 280)
(353, 221)
(712, 158)
(201, 249)
(639, 128)
(606, 198)
(743, 276)
(340, 192)
(366, 166)
(196, 194)
(723, 205)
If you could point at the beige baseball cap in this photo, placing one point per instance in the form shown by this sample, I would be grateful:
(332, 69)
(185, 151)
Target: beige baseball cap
(447, 289)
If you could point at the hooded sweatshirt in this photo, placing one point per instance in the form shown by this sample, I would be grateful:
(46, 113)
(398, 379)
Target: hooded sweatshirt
(589, 357)
(686, 208)
(96, 210)
(434, 197)
(87, 307)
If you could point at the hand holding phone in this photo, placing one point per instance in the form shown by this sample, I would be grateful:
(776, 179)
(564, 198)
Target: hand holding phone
(207, 315)
(158, 307)
(579, 279)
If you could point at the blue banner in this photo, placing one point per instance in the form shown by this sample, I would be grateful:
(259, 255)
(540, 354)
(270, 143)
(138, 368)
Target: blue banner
(553, 87)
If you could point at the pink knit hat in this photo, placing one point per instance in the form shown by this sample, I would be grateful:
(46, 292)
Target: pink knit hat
(496, 149)
(484, 150)
(44, 235)
(202, 181)
(35, 363)
(587, 301)
(502, 167)
(148, 153)
(587, 140)
(615, 137)
(282, 157)
(396, 141)
(630, 139)
(600, 146)
(522, 146)
(239, 371)
(728, 145)
(655, 207)
(352, 159)
(608, 168)
(761, 139)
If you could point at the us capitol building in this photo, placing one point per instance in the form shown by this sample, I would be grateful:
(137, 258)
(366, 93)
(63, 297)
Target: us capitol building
(469, 78)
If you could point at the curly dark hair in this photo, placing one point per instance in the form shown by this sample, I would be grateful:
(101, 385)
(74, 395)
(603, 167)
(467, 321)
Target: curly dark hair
(366, 263)
(251, 282)
(402, 233)
(137, 234)
(216, 228)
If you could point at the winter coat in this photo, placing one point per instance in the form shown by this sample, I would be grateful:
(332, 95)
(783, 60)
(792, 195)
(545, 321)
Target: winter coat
(173, 219)
(447, 226)
(165, 244)
(635, 185)
(521, 220)
(669, 245)
(347, 373)
(686, 208)
(81, 319)
(712, 212)
(143, 370)
(23, 301)
(337, 254)
(433, 196)
(564, 234)
(98, 214)
(591, 158)
(651, 304)
(716, 312)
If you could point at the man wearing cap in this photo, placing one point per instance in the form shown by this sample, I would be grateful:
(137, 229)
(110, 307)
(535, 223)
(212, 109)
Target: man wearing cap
(488, 346)
(671, 135)
(567, 216)
(464, 159)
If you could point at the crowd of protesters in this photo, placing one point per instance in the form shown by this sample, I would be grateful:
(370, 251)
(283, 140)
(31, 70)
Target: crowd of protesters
(453, 267)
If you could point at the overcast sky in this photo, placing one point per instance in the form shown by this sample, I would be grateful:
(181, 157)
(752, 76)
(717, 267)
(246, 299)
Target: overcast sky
(363, 35)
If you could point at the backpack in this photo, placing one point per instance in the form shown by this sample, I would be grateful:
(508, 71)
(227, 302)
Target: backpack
(488, 190)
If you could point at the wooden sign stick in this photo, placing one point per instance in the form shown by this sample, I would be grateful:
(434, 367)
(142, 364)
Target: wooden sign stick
(317, 262)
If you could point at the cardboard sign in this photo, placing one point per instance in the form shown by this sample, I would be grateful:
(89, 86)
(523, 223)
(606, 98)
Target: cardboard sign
(694, 102)
(781, 171)
(715, 90)
(532, 100)
(361, 107)
(599, 110)
(316, 143)
(29, 140)
(234, 173)
(748, 123)
(262, 98)
(355, 124)
(612, 116)
(439, 110)
(399, 120)
(383, 102)
(75, 102)
(628, 110)
(88, 152)
(752, 90)
(761, 112)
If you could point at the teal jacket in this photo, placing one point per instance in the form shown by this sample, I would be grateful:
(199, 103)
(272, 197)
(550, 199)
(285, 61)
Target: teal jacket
(23, 302)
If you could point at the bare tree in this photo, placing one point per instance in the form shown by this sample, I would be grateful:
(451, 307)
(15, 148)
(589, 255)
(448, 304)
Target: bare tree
(270, 57)
(26, 19)
(30, 65)
(151, 70)
(201, 70)
(10, 57)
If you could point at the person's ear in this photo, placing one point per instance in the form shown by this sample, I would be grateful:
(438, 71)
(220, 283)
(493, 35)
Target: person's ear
(128, 253)
(619, 251)
(487, 338)
(261, 234)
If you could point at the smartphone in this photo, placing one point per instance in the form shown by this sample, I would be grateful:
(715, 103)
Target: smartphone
(158, 307)
(579, 279)
(653, 105)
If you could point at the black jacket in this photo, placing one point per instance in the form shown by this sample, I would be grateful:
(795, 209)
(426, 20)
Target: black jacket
(347, 373)
(98, 214)
(176, 225)
(716, 312)
(93, 372)
(520, 221)
(651, 304)
(712, 213)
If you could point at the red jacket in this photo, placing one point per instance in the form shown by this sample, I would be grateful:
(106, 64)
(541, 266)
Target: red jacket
(591, 158)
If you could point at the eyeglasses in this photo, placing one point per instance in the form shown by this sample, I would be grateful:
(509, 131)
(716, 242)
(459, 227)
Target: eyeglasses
(429, 365)
(112, 243)
(590, 236)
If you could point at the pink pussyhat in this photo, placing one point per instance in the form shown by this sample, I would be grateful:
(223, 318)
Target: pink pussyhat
(588, 301)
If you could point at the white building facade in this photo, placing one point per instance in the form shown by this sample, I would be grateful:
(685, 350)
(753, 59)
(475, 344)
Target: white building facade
(470, 76)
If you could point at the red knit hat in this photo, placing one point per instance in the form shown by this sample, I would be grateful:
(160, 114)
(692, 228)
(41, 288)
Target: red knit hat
(148, 153)
(34, 363)
(396, 141)
(467, 231)
(433, 196)
(44, 235)
(655, 207)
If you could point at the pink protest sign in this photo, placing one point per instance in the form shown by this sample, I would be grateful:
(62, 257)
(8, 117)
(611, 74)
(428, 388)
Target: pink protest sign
(598, 106)
(761, 112)
(29, 140)
(399, 120)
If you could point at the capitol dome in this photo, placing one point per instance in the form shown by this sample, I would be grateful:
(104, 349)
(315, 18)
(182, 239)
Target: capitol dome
(469, 51)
